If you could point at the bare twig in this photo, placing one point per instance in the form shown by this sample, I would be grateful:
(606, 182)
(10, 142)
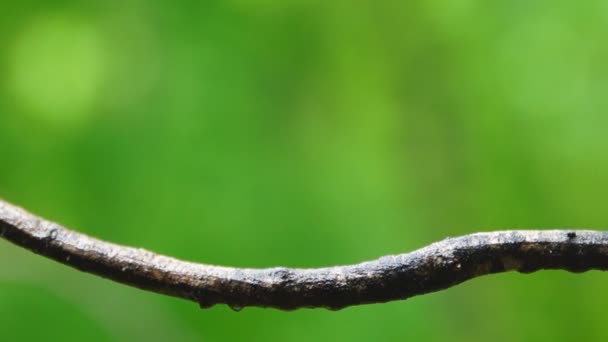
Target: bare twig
(432, 268)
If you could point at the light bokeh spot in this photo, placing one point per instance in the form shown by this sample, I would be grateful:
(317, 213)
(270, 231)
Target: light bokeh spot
(57, 66)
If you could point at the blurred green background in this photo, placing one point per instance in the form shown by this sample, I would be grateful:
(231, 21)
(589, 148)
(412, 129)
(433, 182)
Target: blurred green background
(302, 133)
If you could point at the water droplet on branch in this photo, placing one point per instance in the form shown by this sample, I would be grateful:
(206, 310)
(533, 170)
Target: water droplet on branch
(235, 307)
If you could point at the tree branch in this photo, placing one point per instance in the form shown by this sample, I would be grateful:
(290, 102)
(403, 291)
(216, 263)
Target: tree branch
(432, 268)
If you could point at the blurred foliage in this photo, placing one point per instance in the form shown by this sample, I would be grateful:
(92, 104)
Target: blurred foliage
(302, 133)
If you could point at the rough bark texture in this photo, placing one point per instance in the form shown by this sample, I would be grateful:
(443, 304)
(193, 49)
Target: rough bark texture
(432, 268)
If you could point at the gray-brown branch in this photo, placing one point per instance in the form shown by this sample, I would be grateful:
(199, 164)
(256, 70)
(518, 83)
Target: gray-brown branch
(432, 268)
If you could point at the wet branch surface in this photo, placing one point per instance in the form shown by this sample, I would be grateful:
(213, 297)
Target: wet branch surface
(438, 266)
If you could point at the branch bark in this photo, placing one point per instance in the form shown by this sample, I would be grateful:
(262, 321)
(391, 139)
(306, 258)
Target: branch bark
(435, 267)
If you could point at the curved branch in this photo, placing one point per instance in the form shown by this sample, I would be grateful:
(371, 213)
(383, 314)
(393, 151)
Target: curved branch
(432, 268)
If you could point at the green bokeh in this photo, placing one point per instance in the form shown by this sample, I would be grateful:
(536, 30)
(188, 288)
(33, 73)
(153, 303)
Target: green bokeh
(302, 133)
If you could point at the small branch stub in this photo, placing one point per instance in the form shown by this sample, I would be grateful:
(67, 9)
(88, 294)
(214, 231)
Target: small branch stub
(435, 267)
